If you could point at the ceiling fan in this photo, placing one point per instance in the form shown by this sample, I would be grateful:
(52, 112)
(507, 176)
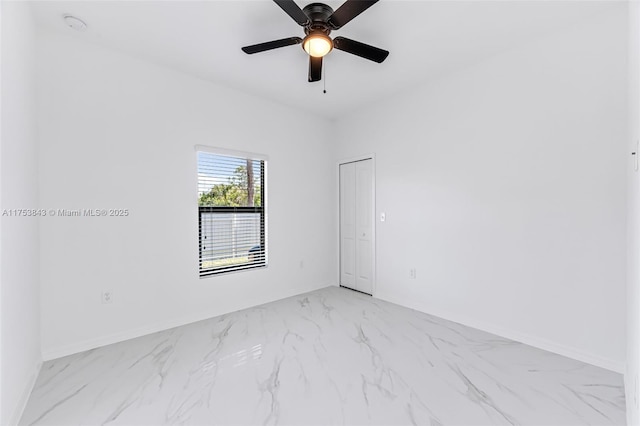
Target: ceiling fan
(318, 20)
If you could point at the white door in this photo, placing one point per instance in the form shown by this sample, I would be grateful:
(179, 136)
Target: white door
(356, 225)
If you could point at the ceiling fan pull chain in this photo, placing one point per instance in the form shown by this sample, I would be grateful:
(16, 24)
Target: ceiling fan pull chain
(324, 80)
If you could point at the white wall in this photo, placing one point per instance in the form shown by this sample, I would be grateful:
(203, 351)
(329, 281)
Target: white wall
(504, 185)
(633, 225)
(118, 132)
(20, 316)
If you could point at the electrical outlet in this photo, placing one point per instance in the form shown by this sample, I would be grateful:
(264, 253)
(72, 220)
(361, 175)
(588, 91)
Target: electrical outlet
(412, 273)
(107, 297)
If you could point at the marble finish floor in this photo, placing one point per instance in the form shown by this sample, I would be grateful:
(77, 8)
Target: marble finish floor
(329, 357)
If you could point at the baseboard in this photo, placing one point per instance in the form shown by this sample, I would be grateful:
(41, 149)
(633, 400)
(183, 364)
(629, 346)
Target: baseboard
(85, 345)
(537, 342)
(109, 339)
(24, 396)
(569, 352)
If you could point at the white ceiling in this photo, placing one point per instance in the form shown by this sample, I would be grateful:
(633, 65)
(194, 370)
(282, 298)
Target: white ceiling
(425, 38)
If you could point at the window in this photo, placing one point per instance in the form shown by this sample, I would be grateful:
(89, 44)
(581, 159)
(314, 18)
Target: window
(231, 213)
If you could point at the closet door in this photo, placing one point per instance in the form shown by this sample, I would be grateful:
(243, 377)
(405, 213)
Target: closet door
(356, 225)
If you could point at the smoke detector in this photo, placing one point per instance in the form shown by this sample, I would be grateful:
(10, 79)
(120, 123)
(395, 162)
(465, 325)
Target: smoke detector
(74, 23)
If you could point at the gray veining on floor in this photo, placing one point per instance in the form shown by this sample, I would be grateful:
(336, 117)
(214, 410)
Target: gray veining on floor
(327, 357)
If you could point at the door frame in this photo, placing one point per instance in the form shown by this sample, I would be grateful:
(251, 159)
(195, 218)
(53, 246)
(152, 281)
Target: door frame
(355, 159)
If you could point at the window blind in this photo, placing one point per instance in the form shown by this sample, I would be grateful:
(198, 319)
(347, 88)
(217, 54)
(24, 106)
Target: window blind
(231, 214)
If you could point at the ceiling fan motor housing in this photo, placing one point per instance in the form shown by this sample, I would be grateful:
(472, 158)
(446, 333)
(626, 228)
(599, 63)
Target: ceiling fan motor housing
(319, 14)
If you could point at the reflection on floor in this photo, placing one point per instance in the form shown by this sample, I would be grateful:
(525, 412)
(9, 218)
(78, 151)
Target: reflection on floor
(327, 357)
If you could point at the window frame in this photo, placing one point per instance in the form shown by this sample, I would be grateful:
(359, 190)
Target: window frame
(262, 210)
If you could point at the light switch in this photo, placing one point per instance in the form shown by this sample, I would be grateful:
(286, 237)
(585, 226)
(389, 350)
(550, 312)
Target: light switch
(383, 217)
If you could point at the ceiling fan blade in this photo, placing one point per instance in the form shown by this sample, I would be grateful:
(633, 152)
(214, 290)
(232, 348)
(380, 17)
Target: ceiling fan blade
(360, 49)
(349, 10)
(315, 69)
(261, 47)
(293, 10)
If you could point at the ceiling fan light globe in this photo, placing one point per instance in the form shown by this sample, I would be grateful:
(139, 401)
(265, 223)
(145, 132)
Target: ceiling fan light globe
(317, 45)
